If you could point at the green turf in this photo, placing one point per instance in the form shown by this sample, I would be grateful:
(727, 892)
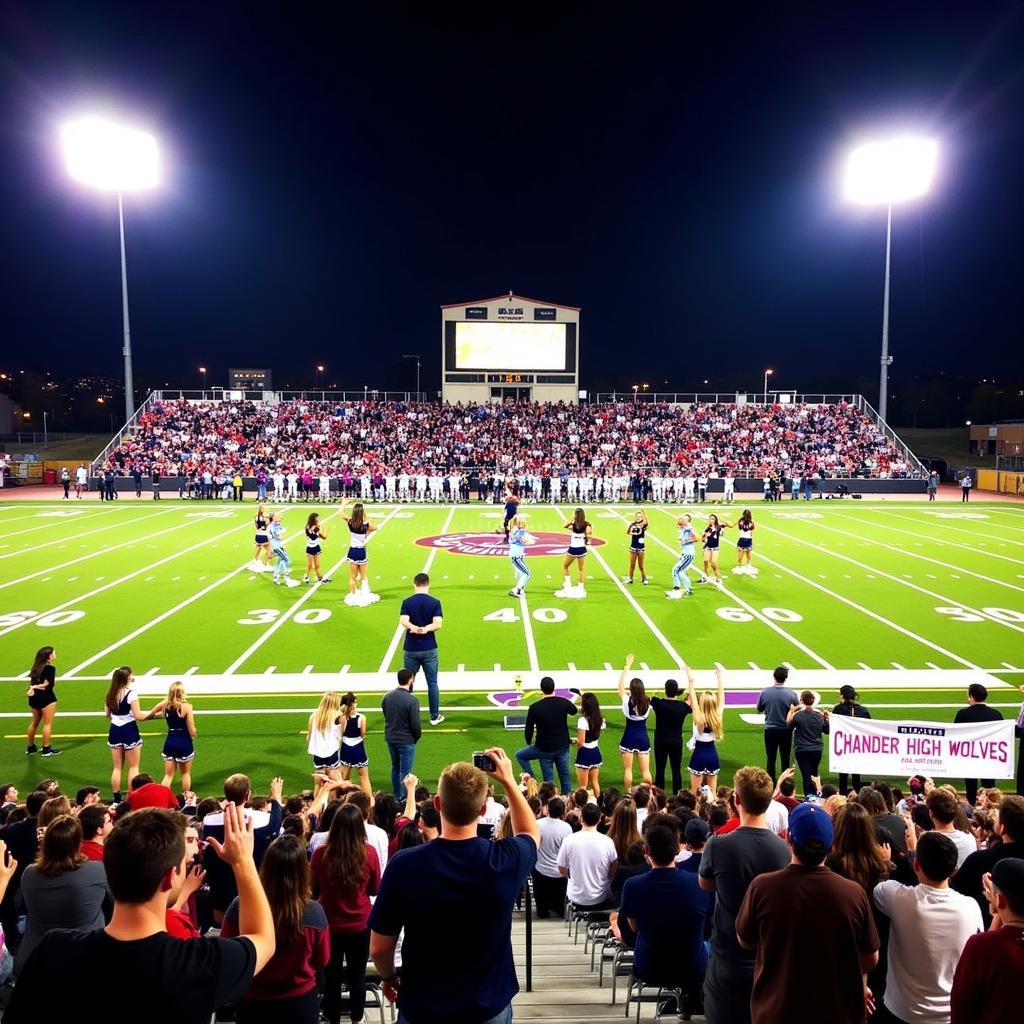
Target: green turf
(155, 586)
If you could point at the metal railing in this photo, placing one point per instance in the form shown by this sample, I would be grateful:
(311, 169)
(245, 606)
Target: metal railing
(864, 406)
(725, 397)
(273, 397)
(115, 442)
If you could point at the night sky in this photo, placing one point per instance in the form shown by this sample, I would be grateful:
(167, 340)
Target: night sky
(334, 174)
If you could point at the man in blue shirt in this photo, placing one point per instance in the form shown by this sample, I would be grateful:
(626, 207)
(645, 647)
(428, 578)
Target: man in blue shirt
(774, 703)
(456, 894)
(421, 618)
(667, 910)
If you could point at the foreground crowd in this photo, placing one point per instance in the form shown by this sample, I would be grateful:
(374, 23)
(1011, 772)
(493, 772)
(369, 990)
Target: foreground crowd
(748, 903)
(214, 444)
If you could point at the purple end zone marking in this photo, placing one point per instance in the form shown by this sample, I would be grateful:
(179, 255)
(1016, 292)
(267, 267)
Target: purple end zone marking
(744, 697)
(512, 698)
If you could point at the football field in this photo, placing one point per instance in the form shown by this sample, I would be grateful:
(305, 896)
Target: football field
(909, 602)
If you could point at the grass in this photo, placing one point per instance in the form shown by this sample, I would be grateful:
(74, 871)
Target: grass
(906, 601)
(943, 443)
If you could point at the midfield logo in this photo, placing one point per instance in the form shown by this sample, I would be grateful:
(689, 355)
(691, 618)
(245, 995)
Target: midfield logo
(493, 544)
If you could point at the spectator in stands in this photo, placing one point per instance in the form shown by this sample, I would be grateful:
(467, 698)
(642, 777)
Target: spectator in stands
(402, 729)
(457, 886)
(929, 926)
(977, 710)
(144, 792)
(786, 788)
(176, 981)
(1009, 827)
(695, 838)
(805, 915)
(986, 986)
(728, 866)
(856, 853)
(220, 875)
(588, 859)
(346, 872)
(96, 826)
(87, 795)
(666, 909)
(622, 829)
(22, 839)
(548, 882)
(375, 835)
(549, 718)
(942, 808)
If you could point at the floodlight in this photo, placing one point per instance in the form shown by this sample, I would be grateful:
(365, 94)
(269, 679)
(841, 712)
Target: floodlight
(892, 171)
(110, 156)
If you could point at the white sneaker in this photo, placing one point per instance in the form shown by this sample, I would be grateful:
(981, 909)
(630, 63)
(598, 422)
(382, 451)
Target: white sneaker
(564, 592)
(438, 720)
(673, 595)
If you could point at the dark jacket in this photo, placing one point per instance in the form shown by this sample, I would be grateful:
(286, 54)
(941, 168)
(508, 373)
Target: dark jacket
(401, 717)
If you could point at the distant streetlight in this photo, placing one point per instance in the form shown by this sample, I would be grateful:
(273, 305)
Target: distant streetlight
(968, 425)
(767, 374)
(417, 360)
(636, 388)
(113, 158)
(202, 372)
(320, 375)
(884, 173)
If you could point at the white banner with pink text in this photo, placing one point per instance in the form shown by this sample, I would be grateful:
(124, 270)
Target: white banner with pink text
(870, 746)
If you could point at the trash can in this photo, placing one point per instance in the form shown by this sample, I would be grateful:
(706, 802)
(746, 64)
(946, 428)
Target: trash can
(49, 476)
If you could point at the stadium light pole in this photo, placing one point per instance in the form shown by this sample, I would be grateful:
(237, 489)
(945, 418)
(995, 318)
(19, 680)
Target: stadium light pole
(767, 374)
(417, 359)
(113, 158)
(202, 377)
(885, 173)
(320, 375)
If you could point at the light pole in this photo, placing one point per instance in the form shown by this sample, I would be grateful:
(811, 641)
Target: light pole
(967, 423)
(885, 173)
(320, 376)
(767, 374)
(417, 359)
(202, 377)
(636, 388)
(114, 158)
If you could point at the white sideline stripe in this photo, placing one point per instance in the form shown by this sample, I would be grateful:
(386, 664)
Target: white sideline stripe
(897, 579)
(93, 554)
(88, 533)
(752, 610)
(123, 579)
(393, 646)
(659, 636)
(295, 606)
(912, 554)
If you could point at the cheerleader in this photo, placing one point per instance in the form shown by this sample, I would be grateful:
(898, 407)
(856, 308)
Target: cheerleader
(261, 523)
(707, 731)
(511, 507)
(353, 746)
(314, 534)
(635, 742)
(711, 538)
(636, 531)
(179, 747)
(745, 544)
(580, 533)
(122, 708)
(42, 700)
(588, 751)
(323, 737)
(359, 528)
(517, 541)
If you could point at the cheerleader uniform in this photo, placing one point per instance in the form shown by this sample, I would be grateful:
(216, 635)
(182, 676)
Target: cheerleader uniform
(577, 542)
(124, 729)
(44, 698)
(511, 508)
(357, 544)
(261, 524)
(589, 753)
(353, 750)
(178, 746)
(704, 759)
(313, 540)
(634, 737)
(323, 746)
(746, 539)
(711, 538)
(637, 541)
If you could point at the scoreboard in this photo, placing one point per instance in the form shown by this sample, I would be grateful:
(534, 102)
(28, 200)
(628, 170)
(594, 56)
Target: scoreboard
(510, 347)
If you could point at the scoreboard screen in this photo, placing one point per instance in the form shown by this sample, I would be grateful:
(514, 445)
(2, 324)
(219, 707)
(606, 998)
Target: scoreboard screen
(510, 346)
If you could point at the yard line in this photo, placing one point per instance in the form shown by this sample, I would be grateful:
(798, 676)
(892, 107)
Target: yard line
(122, 579)
(60, 540)
(531, 646)
(867, 668)
(750, 608)
(53, 522)
(1007, 512)
(393, 646)
(296, 605)
(753, 666)
(937, 521)
(897, 579)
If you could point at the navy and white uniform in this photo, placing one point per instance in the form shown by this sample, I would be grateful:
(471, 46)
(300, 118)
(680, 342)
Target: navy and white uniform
(704, 759)
(634, 737)
(261, 523)
(577, 541)
(313, 540)
(511, 508)
(357, 544)
(637, 541)
(124, 730)
(353, 750)
(745, 541)
(178, 746)
(588, 755)
(712, 535)
(323, 746)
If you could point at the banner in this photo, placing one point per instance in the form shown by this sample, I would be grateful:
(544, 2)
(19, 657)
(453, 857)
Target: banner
(870, 746)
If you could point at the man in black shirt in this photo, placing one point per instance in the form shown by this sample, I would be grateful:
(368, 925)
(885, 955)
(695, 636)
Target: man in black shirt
(177, 981)
(548, 716)
(977, 711)
(22, 839)
(669, 718)
(1009, 827)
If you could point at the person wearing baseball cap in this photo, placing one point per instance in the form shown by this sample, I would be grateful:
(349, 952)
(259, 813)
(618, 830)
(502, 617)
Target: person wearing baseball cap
(808, 915)
(695, 837)
(986, 985)
(849, 707)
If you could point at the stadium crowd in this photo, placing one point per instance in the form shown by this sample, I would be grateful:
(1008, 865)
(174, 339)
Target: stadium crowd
(346, 441)
(744, 904)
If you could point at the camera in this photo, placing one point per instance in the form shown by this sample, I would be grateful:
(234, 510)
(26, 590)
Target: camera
(483, 761)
